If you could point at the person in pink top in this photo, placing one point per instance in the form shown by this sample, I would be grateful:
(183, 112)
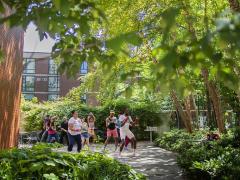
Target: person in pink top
(52, 133)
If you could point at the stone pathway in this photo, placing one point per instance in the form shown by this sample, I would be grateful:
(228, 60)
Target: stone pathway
(154, 162)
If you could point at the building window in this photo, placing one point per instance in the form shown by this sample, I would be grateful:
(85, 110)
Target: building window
(84, 68)
(84, 98)
(52, 97)
(28, 83)
(28, 96)
(53, 84)
(29, 66)
(52, 67)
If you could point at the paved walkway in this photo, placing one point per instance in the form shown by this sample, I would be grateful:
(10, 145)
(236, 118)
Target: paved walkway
(154, 162)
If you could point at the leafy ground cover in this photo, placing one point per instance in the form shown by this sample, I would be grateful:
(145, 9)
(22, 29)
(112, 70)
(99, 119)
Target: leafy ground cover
(202, 159)
(41, 162)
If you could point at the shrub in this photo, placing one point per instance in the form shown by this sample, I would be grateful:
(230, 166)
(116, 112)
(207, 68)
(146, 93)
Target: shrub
(224, 165)
(35, 112)
(202, 159)
(42, 163)
(178, 140)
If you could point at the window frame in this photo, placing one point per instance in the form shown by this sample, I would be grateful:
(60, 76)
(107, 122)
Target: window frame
(24, 87)
(51, 63)
(84, 68)
(29, 70)
(58, 84)
(53, 99)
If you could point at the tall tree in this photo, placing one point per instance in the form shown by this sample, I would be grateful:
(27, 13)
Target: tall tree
(185, 115)
(234, 5)
(11, 45)
(71, 23)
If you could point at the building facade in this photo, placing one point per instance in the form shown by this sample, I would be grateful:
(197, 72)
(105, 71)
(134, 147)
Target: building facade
(41, 79)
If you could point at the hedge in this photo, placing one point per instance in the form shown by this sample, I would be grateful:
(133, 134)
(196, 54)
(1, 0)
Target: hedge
(205, 159)
(33, 114)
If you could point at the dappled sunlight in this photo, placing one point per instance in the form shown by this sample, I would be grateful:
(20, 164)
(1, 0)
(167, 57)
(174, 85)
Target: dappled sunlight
(154, 162)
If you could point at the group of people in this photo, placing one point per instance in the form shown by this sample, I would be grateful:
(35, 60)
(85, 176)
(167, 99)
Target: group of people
(79, 130)
(74, 129)
(119, 129)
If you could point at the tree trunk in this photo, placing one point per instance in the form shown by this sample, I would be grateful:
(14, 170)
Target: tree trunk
(234, 5)
(185, 116)
(194, 113)
(11, 45)
(215, 97)
(209, 107)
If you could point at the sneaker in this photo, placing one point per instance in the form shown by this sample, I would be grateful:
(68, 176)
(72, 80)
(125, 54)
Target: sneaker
(134, 152)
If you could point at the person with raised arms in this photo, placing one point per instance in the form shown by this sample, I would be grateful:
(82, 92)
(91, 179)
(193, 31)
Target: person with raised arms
(91, 125)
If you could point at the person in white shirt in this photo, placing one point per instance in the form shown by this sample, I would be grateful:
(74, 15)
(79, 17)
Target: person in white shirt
(126, 120)
(74, 131)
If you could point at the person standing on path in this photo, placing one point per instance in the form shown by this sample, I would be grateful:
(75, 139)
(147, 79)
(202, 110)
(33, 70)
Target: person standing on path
(118, 125)
(64, 130)
(111, 129)
(126, 120)
(45, 128)
(84, 133)
(91, 125)
(131, 127)
(52, 131)
(74, 131)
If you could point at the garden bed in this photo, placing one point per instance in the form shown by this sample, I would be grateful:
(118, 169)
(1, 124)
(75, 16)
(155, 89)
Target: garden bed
(41, 162)
(205, 159)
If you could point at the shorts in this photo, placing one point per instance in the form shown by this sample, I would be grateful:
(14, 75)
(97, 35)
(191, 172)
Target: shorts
(112, 133)
(85, 135)
(126, 133)
(91, 132)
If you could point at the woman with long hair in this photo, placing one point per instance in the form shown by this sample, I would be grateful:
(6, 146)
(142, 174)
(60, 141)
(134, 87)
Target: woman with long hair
(52, 132)
(91, 125)
(84, 133)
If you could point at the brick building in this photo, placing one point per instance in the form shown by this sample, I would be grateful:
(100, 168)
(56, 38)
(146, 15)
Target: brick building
(40, 77)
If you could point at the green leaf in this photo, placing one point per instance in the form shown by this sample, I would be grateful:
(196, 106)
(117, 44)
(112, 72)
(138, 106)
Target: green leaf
(117, 42)
(1, 7)
(51, 176)
(57, 4)
(49, 163)
(36, 166)
(128, 92)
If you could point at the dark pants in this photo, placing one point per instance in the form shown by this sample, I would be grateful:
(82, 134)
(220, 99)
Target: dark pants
(52, 138)
(63, 136)
(72, 139)
(44, 136)
(127, 141)
(119, 137)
